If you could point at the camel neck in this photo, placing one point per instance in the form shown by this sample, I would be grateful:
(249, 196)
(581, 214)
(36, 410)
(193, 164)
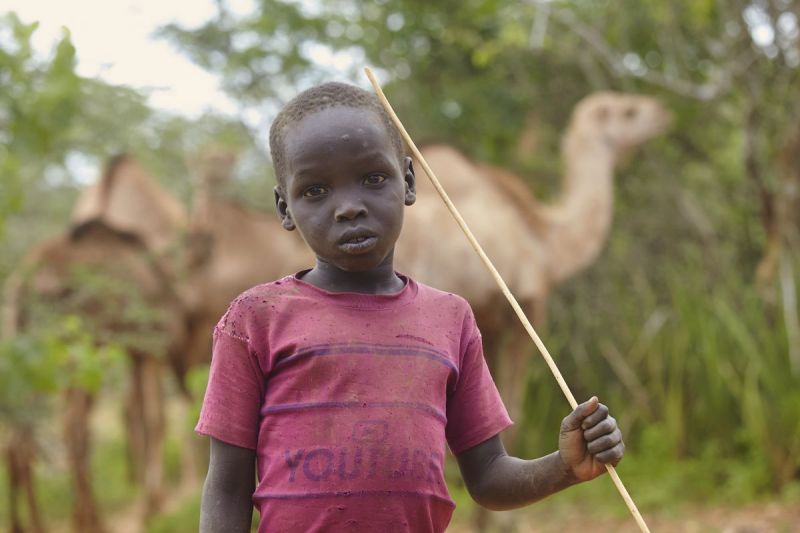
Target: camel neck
(584, 208)
(588, 165)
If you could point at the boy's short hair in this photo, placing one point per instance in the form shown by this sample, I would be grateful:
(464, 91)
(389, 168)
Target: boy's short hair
(327, 95)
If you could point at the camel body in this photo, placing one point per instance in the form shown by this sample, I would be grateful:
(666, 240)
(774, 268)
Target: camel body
(236, 248)
(534, 246)
(49, 282)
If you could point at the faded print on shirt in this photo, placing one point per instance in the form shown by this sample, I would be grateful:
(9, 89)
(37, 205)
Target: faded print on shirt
(350, 401)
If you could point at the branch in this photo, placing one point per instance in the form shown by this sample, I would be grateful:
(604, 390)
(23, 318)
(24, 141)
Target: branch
(613, 59)
(790, 316)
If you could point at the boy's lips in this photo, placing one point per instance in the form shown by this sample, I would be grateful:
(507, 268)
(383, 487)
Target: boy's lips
(357, 241)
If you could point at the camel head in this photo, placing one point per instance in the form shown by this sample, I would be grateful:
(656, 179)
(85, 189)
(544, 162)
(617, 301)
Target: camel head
(620, 121)
(213, 168)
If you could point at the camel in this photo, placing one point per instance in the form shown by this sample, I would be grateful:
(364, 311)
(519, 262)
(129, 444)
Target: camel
(218, 251)
(109, 279)
(233, 248)
(534, 246)
(222, 250)
(127, 199)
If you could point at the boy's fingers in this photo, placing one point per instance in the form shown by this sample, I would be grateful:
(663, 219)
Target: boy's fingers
(604, 427)
(613, 456)
(596, 416)
(606, 442)
(573, 420)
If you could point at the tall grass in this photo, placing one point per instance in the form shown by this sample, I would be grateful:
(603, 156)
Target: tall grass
(695, 366)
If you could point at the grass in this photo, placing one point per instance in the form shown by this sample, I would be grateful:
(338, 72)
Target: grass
(696, 370)
(667, 487)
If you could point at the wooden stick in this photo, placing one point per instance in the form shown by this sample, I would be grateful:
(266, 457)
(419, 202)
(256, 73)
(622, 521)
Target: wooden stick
(502, 284)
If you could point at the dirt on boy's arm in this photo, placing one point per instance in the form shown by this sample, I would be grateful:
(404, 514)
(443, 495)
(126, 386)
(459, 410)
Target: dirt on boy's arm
(588, 439)
(227, 503)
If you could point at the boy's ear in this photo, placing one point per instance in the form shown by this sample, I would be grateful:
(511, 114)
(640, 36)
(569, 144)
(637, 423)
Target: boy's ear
(411, 181)
(282, 208)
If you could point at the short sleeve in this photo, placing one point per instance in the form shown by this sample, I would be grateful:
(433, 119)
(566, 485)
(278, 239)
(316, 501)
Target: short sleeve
(232, 402)
(475, 411)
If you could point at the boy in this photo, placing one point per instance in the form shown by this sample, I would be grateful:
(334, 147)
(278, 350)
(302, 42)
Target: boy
(341, 384)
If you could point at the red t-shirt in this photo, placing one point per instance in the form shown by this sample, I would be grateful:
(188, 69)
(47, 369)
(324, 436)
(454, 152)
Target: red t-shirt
(348, 400)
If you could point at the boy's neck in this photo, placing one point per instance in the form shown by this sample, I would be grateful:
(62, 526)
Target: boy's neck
(379, 280)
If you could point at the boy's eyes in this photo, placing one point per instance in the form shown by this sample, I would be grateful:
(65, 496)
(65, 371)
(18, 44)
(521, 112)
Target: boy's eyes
(374, 179)
(315, 190)
(319, 190)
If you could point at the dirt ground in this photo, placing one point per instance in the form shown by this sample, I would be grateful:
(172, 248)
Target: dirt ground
(767, 518)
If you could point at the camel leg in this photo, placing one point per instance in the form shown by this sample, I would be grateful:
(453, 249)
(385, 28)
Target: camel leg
(199, 342)
(511, 382)
(20, 455)
(15, 485)
(510, 359)
(28, 452)
(538, 314)
(519, 352)
(190, 474)
(490, 326)
(153, 424)
(85, 514)
(133, 419)
(507, 348)
(145, 416)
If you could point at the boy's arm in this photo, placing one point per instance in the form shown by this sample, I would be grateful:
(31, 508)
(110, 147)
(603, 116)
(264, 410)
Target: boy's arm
(589, 439)
(227, 503)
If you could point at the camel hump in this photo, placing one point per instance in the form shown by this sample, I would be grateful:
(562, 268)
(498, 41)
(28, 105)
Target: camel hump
(128, 199)
(454, 170)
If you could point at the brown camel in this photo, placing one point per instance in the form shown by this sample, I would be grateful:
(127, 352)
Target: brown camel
(222, 250)
(127, 199)
(110, 280)
(233, 248)
(534, 246)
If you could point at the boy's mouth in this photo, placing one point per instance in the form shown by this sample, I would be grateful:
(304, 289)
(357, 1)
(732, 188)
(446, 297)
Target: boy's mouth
(357, 241)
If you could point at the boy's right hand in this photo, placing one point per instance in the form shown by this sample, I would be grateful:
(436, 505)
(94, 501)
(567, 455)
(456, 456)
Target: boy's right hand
(589, 439)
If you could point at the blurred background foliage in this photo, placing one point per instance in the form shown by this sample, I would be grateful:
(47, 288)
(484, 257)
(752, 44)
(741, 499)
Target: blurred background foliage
(687, 325)
(669, 326)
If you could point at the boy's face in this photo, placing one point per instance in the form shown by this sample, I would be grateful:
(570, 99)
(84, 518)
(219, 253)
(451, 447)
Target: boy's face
(345, 187)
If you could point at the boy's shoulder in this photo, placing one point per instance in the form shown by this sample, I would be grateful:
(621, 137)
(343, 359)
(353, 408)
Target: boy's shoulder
(251, 303)
(439, 297)
(263, 298)
(265, 293)
(433, 292)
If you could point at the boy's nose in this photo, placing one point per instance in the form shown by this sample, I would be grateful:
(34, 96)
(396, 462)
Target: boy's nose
(350, 209)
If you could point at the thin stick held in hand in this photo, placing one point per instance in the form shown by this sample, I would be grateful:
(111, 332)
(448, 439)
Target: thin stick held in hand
(502, 284)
